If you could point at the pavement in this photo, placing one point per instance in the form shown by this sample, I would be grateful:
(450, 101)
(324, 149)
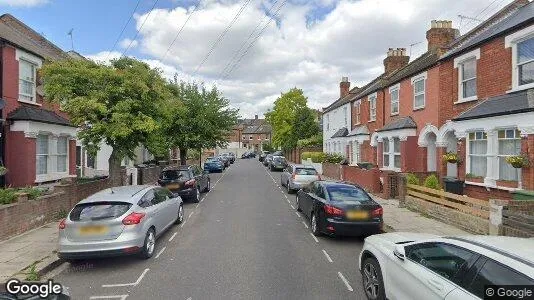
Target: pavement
(244, 240)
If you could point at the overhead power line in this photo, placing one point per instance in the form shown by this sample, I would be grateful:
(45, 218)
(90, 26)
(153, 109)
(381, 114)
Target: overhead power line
(234, 66)
(181, 29)
(123, 29)
(141, 27)
(482, 11)
(221, 36)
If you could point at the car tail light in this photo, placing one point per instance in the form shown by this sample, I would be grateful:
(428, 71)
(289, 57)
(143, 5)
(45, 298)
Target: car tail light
(133, 218)
(377, 212)
(333, 211)
(191, 182)
(62, 224)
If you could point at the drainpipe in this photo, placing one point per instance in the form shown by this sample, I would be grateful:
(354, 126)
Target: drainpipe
(2, 119)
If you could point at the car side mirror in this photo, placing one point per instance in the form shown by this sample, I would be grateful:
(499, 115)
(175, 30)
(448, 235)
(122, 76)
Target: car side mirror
(399, 252)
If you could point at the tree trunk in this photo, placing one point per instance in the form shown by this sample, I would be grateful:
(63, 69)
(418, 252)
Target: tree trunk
(200, 157)
(183, 156)
(115, 175)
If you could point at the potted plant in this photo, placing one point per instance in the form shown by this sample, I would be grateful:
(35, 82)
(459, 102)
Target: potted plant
(3, 170)
(517, 161)
(451, 157)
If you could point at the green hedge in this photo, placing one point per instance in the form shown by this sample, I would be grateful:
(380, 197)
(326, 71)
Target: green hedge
(321, 157)
(8, 196)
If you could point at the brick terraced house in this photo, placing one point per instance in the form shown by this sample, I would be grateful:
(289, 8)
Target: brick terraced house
(38, 141)
(472, 95)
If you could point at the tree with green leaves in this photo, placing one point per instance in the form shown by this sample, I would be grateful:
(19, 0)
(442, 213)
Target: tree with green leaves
(291, 119)
(198, 118)
(118, 104)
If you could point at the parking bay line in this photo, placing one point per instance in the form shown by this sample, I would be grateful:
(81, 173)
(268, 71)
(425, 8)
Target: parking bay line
(345, 281)
(315, 238)
(305, 225)
(121, 297)
(163, 249)
(131, 283)
(292, 206)
(190, 214)
(327, 256)
(172, 237)
(298, 215)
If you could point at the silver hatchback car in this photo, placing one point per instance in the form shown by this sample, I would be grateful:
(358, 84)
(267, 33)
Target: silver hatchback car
(119, 221)
(295, 176)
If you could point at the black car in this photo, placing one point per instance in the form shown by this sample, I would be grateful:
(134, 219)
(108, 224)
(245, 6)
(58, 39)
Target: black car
(248, 154)
(263, 155)
(278, 163)
(186, 181)
(339, 208)
(225, 159)
(232, 157)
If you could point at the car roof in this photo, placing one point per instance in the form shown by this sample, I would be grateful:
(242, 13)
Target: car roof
(513, 246)
(129, 193)
(328, 183)
(302, 166)
(176, 168)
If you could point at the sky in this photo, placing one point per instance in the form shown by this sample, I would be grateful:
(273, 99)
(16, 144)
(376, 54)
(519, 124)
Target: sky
(272, 46)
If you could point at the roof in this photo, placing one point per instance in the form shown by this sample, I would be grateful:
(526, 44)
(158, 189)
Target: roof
(342, 100)
(122, 193)
(16, 32)
(373, 86)
(359, 130)
(506, 20)
(507, 104)
(420, 64)
(399, 123)
(28, 113)
(341, 133)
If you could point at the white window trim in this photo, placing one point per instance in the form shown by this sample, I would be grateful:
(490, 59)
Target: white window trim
(458, 62)
(345, 113)
(511, 41)
(390, 154)
(498, 172)
(32, 59)
(358, 107)
(374, 97)
(422, 76)
(392, 89)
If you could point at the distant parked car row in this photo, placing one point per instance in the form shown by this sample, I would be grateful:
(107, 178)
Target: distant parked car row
(249, 154)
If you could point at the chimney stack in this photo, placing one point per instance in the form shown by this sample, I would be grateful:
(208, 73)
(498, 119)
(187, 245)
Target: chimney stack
(440, 35)
(395, 60)
(344, 87)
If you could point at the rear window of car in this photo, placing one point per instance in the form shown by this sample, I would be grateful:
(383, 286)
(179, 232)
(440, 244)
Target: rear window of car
(175, 174)
(279, 159)
(212, 160)
(305, 171)
(99, 211)
(348, 194)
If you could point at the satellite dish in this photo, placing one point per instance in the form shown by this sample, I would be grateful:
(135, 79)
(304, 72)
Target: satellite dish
(2, 103)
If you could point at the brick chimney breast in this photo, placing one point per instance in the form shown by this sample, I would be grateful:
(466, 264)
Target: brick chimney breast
(395, 60)
(344, 87)
(440, 35)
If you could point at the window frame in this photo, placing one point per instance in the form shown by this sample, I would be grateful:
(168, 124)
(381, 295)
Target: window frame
(463, 81)
(345, 111)
(512, 41)
(385, 154)
(422, 93)
(52, 156)
(395, 154)
(372, 107)
(517, 137)
(469, 154)
(392, 90)
(519, 64)
(45, 155)
(357, 108)
(33, 83)
(62, 155)
(458, 63)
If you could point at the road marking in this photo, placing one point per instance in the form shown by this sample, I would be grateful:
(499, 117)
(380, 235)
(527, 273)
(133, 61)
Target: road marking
(189, 298)
(314, 237)
(190, 214)
(182, 226)
(285, 196)
(121, 297)
(202, 199)
(327, 256)
(172, 237)
(292, 206)
(305, 225)
(298, 215)
(345, 281)
(131, 283)
(196, 206)
(287, 200)
(163, 249)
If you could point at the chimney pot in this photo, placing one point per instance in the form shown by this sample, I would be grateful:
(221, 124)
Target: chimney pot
(344, 87)
(396, 59)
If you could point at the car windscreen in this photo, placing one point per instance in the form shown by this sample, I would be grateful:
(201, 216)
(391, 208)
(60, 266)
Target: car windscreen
(212, 160)
(305, 171)
(279, 159)
(99, 211)
(348, 194)
(175, 174)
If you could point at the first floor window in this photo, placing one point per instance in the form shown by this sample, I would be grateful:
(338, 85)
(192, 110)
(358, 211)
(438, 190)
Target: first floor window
(468, 78)
(394, 101)
(372, 108)
(42, 154)
(357, 106)
(419, 93)
(385, 147)
(27, 82)
(62, 146)
(525, 61)
(478, 147)
(509, 144)
(396, 153)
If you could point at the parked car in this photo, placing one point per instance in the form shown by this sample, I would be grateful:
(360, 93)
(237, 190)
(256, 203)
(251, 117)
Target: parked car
(408, 265)
(186, 181)
(119, 221)
(229, 157)
(232, 157)
(339, 208)
(294, 177)
(278, 163)
(263, 155)
(248, 154)
(267, 160)
(225, 160)
(213, 164)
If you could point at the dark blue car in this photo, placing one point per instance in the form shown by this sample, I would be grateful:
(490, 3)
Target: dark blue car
(213, 164)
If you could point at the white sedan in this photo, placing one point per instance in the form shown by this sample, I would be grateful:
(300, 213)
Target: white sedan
(422, 266)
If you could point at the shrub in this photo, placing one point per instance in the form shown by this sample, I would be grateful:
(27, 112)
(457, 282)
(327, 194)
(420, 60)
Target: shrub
(33, 193)
(7, 196)
(306, 155)
(314, 141)
(334, 158)
(412, 179)
(432, 182)
(316, 157)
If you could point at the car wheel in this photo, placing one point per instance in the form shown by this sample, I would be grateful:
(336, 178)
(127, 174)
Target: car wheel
(298, 203)
(196, 198)
(180, 217)
(208, 186)
(149, 245)
(315, 225)
(289, 189)
(373, 283)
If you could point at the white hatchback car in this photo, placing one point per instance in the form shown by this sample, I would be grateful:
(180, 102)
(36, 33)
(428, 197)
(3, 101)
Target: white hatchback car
(422, 266)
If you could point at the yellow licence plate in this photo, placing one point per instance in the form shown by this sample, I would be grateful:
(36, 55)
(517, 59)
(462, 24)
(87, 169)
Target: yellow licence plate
(357, 215)
(173, 186)
(93, 230)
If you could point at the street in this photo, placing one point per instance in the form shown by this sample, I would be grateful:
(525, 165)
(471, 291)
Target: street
(244, 240)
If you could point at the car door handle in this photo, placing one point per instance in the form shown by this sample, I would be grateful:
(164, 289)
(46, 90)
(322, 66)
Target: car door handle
(436, 284)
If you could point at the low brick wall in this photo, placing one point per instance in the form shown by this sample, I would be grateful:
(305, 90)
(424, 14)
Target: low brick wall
(332, 171)
(481, 192)
(450, 216)
(368, 179)
(148, 175)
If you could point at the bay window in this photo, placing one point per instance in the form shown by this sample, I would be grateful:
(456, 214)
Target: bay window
(396, 153)
(27, 81)
(62, 148)
(42, 154)
(355, 152)
(385, 148)
(509, 144)
(525, 61)
(468, 79)
(478, 146)
(51, 154)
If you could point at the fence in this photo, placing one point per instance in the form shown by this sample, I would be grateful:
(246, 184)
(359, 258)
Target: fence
(468, 213)
(516, 218)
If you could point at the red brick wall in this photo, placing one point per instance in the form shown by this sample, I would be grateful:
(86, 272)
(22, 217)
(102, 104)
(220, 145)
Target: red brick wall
(332, 170)
(527, 174)
(481, 192)
(20, 159)
(367, 179)
(72, 157)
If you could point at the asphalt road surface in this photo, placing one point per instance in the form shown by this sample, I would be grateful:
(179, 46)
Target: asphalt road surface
(244, 240)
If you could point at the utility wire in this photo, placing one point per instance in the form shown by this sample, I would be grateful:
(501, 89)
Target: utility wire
(221, 36)
(139, 30)
(181, 29)
(123, 29)
(254, 41)
(475, 17)
(246, 40)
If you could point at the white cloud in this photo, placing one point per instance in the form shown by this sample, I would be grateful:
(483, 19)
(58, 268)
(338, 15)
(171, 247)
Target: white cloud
(350, 40)
(23, 3)
(128, 43)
